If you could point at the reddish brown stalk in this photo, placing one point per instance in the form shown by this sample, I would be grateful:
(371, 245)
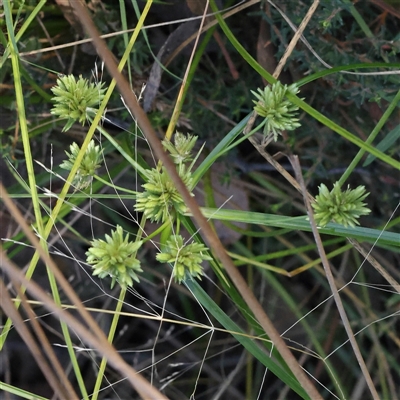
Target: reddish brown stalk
(211, 237)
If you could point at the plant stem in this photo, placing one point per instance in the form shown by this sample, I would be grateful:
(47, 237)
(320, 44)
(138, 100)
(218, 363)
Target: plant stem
(110, 338)
(331, 281)
(393, 105)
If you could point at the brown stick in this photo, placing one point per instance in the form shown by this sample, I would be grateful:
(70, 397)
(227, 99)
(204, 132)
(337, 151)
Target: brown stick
(331, 281)
(211, 238)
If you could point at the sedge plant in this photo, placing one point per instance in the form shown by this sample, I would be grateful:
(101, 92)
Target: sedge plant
(119, 257)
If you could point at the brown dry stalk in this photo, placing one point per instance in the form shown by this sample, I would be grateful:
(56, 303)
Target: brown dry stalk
(211, 238)
(395, 285)
(295, 39)
(278, 167)
(331, 280)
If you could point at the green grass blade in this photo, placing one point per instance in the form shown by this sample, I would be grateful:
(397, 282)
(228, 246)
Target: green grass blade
(301, 223)
(392, 106)
(220, 148)
(247, 342)
(390, 139)
(21, 393)
(350, 67)
(28, 20)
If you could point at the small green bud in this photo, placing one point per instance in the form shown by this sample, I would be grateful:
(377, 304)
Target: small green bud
(279, 113)
(115, 257)
(181, 150)
(185, 258)
(344, 207)
(90, 163)
(161, 200)
(74, 98)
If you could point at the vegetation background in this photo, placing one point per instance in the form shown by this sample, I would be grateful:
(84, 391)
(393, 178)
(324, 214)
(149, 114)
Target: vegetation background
(176, 338)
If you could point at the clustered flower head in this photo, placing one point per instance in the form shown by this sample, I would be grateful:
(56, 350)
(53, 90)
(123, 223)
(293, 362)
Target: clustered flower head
(91, 161)
(115, 257)
(185, 258)
(181, 149)
(279, 112)
(344, 207)
(74, 98)
(160, 199)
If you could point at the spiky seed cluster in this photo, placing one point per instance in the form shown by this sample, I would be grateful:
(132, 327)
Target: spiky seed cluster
(74, 98)
(90, 163)
(344, 207)
(181, 150)
(185, 258)
(279, 112)
(115, 257)
(161, 200)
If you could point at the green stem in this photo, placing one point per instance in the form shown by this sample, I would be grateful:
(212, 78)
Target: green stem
(109, 184)
(360, 20)
(186, 83)
(110, 338)
(371, 137)
(134, 164)
(244, 137)
(35, 198)
(157, 231)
